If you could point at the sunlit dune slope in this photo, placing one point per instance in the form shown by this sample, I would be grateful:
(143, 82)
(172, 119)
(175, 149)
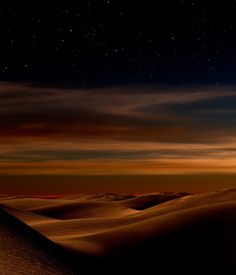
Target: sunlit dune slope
(100, 197)
(26, 203)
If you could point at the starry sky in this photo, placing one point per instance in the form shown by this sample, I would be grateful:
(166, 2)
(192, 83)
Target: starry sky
(108, 42)
(141, 94)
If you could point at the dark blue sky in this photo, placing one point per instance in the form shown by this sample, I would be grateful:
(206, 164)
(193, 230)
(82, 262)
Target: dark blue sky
(108, 42)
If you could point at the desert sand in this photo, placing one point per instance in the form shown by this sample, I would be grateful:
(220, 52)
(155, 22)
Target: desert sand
(158, 233)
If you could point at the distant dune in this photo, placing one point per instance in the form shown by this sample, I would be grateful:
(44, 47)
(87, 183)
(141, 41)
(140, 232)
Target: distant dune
(159, 233)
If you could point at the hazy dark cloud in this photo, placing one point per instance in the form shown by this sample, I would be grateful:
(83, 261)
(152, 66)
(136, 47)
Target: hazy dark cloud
(117, 112)
(122, 154)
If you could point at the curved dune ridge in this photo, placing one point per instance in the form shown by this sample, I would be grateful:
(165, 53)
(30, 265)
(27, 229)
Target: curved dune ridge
(174, 232)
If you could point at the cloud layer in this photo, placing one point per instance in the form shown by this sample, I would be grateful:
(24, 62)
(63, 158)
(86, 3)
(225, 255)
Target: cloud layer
(118, 130)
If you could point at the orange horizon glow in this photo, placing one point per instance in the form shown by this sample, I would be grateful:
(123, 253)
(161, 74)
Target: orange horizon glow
(177, 158)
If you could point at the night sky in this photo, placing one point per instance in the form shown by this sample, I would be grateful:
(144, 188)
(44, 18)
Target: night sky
(102, 43)
(118, 89)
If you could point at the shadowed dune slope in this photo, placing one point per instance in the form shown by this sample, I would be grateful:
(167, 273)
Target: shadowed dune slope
(141, 202)
(199, 240)
(25, 251)
(78, 210)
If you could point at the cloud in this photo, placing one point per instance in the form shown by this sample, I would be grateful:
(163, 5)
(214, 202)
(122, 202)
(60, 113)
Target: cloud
(112, 113)
(146, 128)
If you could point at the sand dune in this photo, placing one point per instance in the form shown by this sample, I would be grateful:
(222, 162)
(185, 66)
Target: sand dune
(78, 210)
(28, 217)
(132, 234)
(25, 251)
(141, 202)
(26, 203)
(101, 197)
(163, 232)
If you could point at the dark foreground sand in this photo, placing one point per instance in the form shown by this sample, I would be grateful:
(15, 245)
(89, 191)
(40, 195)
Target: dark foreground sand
(119, 234)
